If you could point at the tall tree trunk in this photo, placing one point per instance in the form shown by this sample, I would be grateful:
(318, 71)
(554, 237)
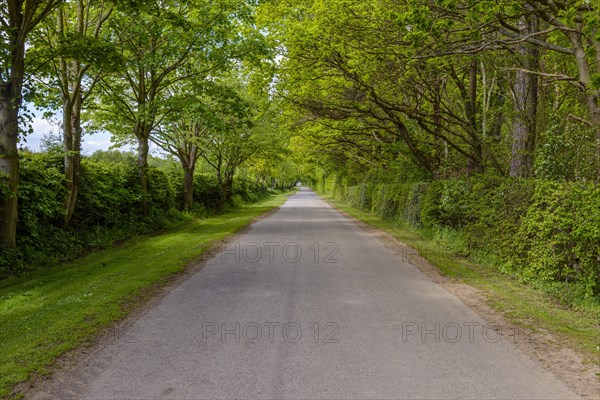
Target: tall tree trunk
(593, 102)
(10, 102)
(189, 167)
(188, 188)
(73, 160)
(9, 164)
(474, 161)
(72, 148)
(67, 127)
(143, 135)
(72, 102)
(526, 103)
(437, 121)
(594, 106)
(222, 187)
(21, 19)
(228, 187)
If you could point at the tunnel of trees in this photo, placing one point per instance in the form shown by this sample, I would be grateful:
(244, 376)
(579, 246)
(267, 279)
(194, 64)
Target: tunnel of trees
(473, 120)
(469, 117)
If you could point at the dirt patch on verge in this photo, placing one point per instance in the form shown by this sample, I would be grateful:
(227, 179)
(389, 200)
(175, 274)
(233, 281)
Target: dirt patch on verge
(550, 351)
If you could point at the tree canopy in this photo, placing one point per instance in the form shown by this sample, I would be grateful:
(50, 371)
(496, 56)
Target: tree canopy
(453, 87)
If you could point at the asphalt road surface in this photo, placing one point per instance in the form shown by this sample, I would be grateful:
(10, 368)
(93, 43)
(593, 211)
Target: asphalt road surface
(308, 305)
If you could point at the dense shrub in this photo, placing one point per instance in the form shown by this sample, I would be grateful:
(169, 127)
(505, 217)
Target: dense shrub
(160, 190)
(446, 204)
(108, 206)
(109, 195)
(413, 203)
(543, 232)
(206, 191)
(558, 240)
(384, 201)
(41, 208)
(494, 209)
(250, 191)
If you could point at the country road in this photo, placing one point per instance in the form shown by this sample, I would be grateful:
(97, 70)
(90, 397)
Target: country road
(306, 304)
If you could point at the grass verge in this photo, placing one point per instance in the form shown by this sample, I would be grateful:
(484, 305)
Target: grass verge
(47, 312)
(521, 304)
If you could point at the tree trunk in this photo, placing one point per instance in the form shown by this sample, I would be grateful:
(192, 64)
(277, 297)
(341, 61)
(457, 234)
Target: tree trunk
(188, 189)
(525, 105)
(228, 188)
(72, 144)
(188, 156)
(224, 196)
(437, 121)
(523, 138)
(474, 160)
(188, 184)
(496, 128)
(9, 164)
(143, 134)
(10, 102)
(223, 189)
(67, 127)
(72, 102)
(22, 16)
(76, 178)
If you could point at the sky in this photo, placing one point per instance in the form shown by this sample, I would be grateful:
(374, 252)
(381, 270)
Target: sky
(42, 127)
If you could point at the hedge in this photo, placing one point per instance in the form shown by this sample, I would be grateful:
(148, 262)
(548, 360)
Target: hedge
(539, 231)
(107, 209)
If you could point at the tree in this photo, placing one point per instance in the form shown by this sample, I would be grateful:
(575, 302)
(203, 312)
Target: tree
(232, 138)
(18, 18)
(165, 43)
(237, 122)
(579, 23)
(273, 164)
(180, 133)
(73, 55)
(379, 75)
(220, 123)
(525, 102)
(436, 81)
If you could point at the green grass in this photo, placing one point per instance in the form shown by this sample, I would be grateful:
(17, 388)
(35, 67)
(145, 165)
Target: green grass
(46, 312)
(522, 304)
